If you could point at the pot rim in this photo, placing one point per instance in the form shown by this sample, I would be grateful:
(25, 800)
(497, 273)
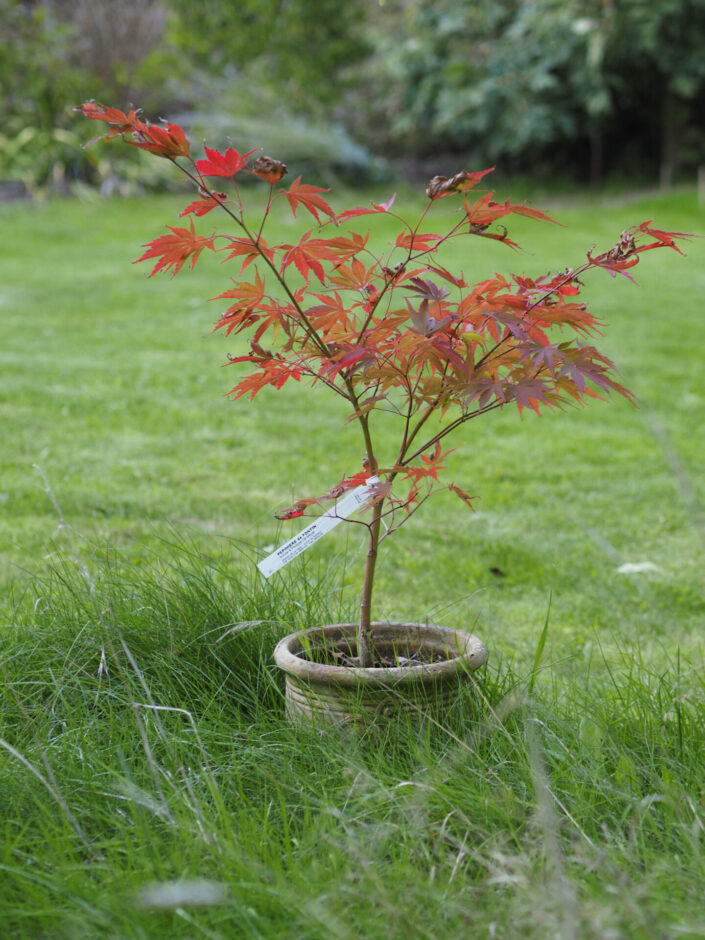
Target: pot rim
(470, 654)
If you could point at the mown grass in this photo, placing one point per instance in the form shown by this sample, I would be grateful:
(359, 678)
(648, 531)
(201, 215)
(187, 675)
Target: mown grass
(112, 388)
(143, 746)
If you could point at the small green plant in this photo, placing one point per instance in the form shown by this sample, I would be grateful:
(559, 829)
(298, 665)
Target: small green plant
(390, 330)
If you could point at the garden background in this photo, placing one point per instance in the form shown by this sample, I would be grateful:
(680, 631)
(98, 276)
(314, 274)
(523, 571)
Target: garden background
(134, 496)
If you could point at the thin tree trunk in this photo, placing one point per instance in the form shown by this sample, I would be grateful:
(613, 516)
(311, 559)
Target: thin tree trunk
(365, 646)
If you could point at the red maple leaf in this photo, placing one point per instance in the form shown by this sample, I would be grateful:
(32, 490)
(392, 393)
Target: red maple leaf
(417, 241)
(330, 314)
(448, 276)
(308, 197)
(362, 210)
(340, 249)
(247, 297)
(204, 205)
(223, 164)
(432, 466)
(274, 372)
(169, 141)
(461, 493)
(355, 276)
(530, 392)
(663, 239)
(173, 250)
(283, 515)
(348, 358)
(615, 264)
(248, 250)
(306, 256)
(484, 211)
(120, 123)
(347, 483)
(298, 509)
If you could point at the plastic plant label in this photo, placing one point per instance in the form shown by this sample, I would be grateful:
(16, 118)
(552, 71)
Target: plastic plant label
(318, 528)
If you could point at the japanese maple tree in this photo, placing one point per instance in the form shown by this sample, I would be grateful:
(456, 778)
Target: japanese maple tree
(387, 328)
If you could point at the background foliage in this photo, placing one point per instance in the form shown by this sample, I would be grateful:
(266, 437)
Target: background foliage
(597, 85)
(590, 88)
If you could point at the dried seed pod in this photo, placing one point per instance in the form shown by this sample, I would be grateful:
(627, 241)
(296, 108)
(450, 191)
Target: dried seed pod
(436, 186)
(462, 181)
(269, 169)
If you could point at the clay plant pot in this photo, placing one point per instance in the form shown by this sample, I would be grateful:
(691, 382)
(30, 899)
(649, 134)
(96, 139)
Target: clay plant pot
(323, 683)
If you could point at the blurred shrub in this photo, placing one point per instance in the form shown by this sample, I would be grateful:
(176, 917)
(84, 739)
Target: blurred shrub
(596, 86)
(36, 157)
(53, 55)
(240, 109)
(273, 75)
(301, 48)
(219, 65)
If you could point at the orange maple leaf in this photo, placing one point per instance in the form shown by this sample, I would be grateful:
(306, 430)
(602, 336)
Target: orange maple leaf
(119, 122)
(244, 293)
(173, 250)
(418, 241)
(247, 249)
(308, 197)
(169, 141)
(204, 205)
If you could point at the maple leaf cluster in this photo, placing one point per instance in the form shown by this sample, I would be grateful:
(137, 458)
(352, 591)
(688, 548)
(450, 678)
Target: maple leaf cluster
(391, 331)
(164, 141)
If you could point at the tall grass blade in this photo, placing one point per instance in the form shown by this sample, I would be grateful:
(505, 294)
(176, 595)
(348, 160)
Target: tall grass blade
(540, 646)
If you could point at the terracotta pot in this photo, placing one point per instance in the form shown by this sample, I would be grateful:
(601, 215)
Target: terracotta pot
(320, 686)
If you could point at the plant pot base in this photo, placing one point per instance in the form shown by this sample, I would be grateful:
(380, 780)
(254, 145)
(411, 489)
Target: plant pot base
(319, 689)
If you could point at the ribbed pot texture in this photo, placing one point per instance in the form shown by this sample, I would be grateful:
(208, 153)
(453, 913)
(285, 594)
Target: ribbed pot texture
(319, 688)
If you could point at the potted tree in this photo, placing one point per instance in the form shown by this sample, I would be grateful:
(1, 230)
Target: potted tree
(384, 329)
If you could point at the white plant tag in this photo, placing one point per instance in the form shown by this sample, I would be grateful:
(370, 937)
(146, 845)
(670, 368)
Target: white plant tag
(318, 528)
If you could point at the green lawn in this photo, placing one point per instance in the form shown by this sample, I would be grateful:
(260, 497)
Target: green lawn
(133, 496)
(112, 388)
